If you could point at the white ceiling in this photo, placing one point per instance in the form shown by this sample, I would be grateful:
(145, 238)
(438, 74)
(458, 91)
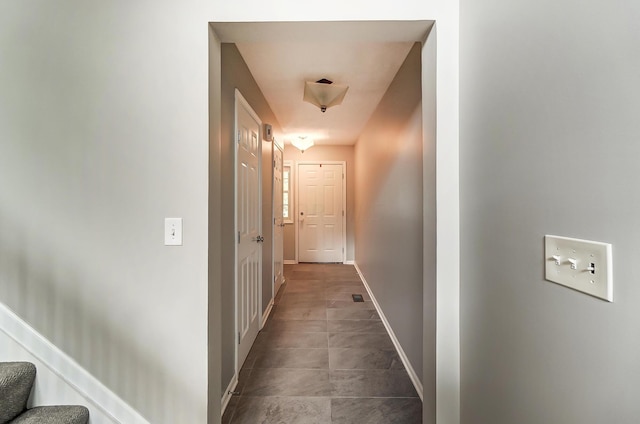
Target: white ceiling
(281, 68)
(365, 55)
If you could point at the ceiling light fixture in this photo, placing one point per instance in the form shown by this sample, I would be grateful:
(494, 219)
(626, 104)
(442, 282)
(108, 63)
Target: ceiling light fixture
(302, 143)
(324, 93)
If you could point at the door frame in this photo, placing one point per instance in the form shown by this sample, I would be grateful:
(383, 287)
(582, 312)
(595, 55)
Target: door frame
(240, 100)
(279, 146)
(440, 72)
(344, 201)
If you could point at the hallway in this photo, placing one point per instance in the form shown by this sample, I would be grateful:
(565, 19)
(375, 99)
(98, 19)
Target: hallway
(323, 358)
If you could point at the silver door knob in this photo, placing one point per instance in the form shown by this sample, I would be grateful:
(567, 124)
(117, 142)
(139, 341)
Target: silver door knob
(259, 239)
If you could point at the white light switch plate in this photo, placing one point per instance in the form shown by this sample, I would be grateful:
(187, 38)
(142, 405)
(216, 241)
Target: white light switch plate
(173, 231)
(582, 265)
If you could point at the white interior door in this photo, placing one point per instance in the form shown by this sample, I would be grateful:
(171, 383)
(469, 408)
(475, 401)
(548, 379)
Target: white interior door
(320, 212)
(248, 226)
(278, 221)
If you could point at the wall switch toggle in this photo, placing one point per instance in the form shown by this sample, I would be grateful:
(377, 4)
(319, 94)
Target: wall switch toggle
(588, 267)
(173, 231)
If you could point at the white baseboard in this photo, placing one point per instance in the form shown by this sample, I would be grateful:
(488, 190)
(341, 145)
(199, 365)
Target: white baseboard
(266, 314)
(349, 262)
(59, 377)
(403, 356)
(290, 262)
(226, 396)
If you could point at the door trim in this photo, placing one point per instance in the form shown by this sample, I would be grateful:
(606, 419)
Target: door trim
(277, 146)
(240, 100)
(344, 201)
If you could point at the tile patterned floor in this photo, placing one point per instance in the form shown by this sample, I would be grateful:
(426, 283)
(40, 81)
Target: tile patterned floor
(322, 358)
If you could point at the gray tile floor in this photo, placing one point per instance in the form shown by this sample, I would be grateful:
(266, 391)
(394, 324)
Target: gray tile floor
(321, 358)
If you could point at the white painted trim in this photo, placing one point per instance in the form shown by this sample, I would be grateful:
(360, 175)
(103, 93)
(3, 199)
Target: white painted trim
(349, 262)
(266, 314)
(448, 380)
(290, 262)
(226, 396)
(231, 27)
(273, 225)
(67, 369)
(403, 357)
(344, 201)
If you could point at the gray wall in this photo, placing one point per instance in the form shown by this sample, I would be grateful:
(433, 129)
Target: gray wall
(103, 134)
(235, 74)
(550, 94)
(328, 153)
(389, 209)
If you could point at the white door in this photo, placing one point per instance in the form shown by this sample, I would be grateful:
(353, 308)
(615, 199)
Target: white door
(320, 212)
(278, 221)
(248, 227)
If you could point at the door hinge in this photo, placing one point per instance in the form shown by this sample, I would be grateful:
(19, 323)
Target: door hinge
(342, 213)
(238, 337)
(274, 163)
(238, 237)
(343, 250)
(238, 140)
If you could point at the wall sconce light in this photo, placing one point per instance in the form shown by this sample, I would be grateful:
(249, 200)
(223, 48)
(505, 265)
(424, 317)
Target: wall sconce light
(302, 143)
(324, 93)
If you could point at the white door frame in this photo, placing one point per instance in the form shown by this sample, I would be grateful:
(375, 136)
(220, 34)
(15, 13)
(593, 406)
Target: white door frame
(278, 146)
(240, 100)
(445, 141)
(344, 201)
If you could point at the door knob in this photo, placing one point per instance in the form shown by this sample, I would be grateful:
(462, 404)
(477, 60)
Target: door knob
(259, 239)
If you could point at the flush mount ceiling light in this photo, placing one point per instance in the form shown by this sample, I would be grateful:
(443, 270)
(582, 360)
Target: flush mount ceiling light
(324, 93)
(302, 143)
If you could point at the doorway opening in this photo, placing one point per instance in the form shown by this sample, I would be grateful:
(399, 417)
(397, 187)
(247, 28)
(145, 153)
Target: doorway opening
(235, 32)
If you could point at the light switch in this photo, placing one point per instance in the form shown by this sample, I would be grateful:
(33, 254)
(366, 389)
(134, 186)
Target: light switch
(173, 231)
(582, 265)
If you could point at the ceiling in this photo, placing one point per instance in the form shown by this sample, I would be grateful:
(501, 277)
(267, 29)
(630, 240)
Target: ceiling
(364, 55)
(281, 69)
